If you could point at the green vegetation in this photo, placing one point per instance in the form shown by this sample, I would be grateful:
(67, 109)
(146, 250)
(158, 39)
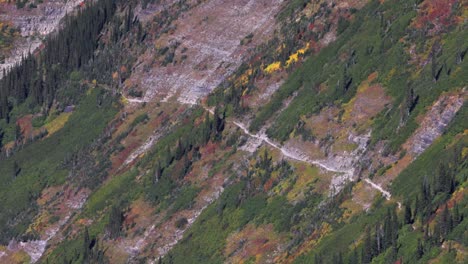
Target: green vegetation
(185, 199)
(437, 181)
(38, 78)
(379, 32)
(131, 204)
(40, 164)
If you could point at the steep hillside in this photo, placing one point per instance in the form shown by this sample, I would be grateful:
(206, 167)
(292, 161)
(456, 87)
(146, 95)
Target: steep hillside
(246, 131)
(25, 24)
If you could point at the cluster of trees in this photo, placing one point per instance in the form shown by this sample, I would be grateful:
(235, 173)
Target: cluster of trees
(116, 218)
(428, 204)
(38, 77)
(433, 191)
(90, 251)
(376, 240)
(445, 223)
(384, 237)
(185, 152)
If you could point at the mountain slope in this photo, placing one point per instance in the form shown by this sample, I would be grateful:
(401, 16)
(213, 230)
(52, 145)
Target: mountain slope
(240, 131)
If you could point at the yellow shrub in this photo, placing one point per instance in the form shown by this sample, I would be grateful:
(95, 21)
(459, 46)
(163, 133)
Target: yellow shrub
(57, 124)
(275, 66)
(295, 57)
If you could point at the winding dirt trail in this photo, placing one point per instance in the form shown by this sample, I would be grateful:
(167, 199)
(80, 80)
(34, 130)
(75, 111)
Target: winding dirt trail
(290, 154)
(303, 158)
(386, 194)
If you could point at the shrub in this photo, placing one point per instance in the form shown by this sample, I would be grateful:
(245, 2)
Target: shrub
(181, 223)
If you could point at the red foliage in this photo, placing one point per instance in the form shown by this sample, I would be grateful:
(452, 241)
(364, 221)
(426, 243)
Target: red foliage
(268, 185)
(156, 122)
(124, 154)
(210, 148)
(437, 13)
(314, 46)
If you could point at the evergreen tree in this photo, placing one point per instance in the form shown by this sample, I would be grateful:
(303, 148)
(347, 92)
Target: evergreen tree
(354, 258)
(445, 223)
(168, 156)
(456, 215)
(180, 150)
(206, 129)
(86, 243)
(435, 52)
(408, 217)
(416, 206)
(115, 222)
(338, 258)
(219, 117)
(1, 137)
(187, 164)
(395, 227)
(420, 249)
(367, 248)
(318, 259)
(16, 169)
(18, 133)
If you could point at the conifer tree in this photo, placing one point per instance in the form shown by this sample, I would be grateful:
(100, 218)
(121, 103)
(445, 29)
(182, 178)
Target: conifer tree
(408, 216)
(354, 258)
(86, 242)
(367, 248)
(420, 249)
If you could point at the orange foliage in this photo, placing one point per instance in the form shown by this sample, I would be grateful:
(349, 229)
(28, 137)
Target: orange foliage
(115, 75)
(437, 13)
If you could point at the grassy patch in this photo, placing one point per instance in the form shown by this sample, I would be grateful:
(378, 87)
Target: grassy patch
(39, 164)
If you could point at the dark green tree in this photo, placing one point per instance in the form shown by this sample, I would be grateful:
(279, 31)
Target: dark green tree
(367, 247)
(408, 219)
(16, 169)
(354, 258)
(86, 243)
(115, 222)
(419, 249)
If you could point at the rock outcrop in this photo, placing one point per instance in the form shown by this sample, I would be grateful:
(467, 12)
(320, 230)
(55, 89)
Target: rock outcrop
(435, 122)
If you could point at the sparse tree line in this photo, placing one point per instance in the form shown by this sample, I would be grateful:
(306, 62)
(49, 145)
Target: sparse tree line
(38, 77)
(88, 47)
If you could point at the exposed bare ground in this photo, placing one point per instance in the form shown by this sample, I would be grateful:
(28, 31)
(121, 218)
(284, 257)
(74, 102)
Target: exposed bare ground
(57, 202)
(161, 233)
(259, 242)
(210, 41)
(433, 124)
